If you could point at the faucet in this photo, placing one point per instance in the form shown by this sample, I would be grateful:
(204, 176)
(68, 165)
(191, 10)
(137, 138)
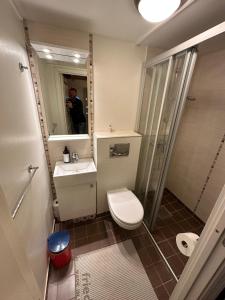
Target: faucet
(74, 157)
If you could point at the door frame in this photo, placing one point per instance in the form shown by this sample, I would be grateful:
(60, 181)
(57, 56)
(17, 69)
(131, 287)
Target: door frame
(205, 266)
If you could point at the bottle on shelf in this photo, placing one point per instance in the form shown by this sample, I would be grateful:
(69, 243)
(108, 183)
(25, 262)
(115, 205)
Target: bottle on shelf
(66, 155)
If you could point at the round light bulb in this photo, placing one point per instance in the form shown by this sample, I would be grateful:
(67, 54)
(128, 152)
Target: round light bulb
(46, 50)
(157, 10)
(49, 56)
(76, 60)
(77, 55)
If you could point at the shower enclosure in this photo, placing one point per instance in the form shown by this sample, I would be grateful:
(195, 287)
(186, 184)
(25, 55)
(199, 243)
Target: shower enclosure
(164, 94)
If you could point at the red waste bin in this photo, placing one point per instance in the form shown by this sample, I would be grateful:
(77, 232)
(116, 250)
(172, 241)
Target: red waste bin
(59, 248)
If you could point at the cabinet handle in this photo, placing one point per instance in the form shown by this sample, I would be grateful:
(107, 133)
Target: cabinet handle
(91, 185)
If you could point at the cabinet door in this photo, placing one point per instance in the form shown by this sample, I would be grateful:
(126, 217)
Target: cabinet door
(77, 201)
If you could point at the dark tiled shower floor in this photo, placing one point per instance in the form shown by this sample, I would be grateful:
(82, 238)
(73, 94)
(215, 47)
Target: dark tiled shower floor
(103, 232)
(174, 218)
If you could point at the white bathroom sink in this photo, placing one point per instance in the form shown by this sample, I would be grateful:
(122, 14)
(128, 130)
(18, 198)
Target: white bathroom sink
(83, 171)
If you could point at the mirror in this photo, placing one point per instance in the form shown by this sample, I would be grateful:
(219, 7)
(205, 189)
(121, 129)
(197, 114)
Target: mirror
(64, 88)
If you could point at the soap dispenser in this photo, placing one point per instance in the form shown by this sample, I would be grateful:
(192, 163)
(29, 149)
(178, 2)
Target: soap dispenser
(66, 155)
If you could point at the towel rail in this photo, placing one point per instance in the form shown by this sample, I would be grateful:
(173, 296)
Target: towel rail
(32, 170)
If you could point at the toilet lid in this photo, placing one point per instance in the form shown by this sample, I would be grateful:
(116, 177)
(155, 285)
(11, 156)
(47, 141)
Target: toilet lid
(125, 206)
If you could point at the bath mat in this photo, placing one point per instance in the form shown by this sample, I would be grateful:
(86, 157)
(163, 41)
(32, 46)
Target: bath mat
(112, 273)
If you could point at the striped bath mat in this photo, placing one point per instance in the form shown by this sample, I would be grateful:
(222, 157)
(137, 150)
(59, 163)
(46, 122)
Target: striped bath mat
(112, 273)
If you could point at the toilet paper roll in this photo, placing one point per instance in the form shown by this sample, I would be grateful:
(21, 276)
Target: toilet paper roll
(186, 242)
(56, 209)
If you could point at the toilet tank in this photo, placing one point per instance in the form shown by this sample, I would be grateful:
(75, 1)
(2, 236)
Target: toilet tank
(116, 156)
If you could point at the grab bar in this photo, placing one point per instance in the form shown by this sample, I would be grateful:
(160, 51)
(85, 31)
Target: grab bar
(32, 170)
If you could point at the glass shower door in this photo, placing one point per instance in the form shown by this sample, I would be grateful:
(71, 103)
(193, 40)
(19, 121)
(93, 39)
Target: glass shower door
(154, 90)
(163, 114)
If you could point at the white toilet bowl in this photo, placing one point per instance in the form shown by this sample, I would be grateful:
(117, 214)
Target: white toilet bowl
(125, 208)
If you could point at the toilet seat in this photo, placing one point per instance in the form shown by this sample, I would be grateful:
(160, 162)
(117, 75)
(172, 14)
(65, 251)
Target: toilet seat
(125, 208)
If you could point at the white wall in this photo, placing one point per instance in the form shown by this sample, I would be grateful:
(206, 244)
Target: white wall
(117, 73)
(199, 137)
(80, 145)
(21, 145)
(117, 172)
(58, 36)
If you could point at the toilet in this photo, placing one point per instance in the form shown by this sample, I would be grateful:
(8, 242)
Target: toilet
(125, 208)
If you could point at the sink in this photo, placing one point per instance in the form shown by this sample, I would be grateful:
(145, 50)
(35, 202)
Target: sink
(75, 185)
(85, 165)
(83, 171)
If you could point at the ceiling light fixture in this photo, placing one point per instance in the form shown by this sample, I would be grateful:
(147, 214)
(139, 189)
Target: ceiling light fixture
(46, 50)
(76, 60)
(49, 56)
(77, 55)
(157, 10)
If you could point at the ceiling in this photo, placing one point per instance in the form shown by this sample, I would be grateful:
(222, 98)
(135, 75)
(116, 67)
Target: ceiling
(120, 19)
(113, 18)
(196, 18)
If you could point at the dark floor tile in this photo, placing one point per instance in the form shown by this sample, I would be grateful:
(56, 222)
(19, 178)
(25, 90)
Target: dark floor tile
(166, 249)
(185, 225)
(163, 271)
(177, 216)
(81, 242)
(161, 293)
(101, 232)
(158, 235)
(176, 264)
(168, 232)
(153, 276)
(119, 235)
(170, 285)
(198, 230)
(66, 288)
(96, 228)
(173, 244)
(154, 255)
(176, 228)
(183, 258)
(136, 232)
(144, 256)
(141, 241)
(80, 231)
(177, 205)
(194, 222)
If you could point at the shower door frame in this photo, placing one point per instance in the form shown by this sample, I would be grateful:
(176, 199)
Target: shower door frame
(194, 279)
(180, 97)
(188, 68)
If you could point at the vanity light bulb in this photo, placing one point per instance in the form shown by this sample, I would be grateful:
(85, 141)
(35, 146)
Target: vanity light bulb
(77, 55)
(49, 56)
(76, 60)
(46, 50)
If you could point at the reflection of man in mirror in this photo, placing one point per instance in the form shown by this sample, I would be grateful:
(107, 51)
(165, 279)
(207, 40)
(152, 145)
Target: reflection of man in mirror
(75, 107)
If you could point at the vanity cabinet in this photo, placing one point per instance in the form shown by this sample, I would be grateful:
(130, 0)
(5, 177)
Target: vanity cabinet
(77, 201)
(76, 188)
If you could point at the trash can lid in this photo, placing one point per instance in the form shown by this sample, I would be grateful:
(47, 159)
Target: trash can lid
(58, 241)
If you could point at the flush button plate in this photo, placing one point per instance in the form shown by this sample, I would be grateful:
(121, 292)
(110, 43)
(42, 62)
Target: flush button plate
(119, 150)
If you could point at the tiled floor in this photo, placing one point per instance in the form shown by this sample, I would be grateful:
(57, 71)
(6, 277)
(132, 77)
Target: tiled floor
(174, 218)
(102, 232)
